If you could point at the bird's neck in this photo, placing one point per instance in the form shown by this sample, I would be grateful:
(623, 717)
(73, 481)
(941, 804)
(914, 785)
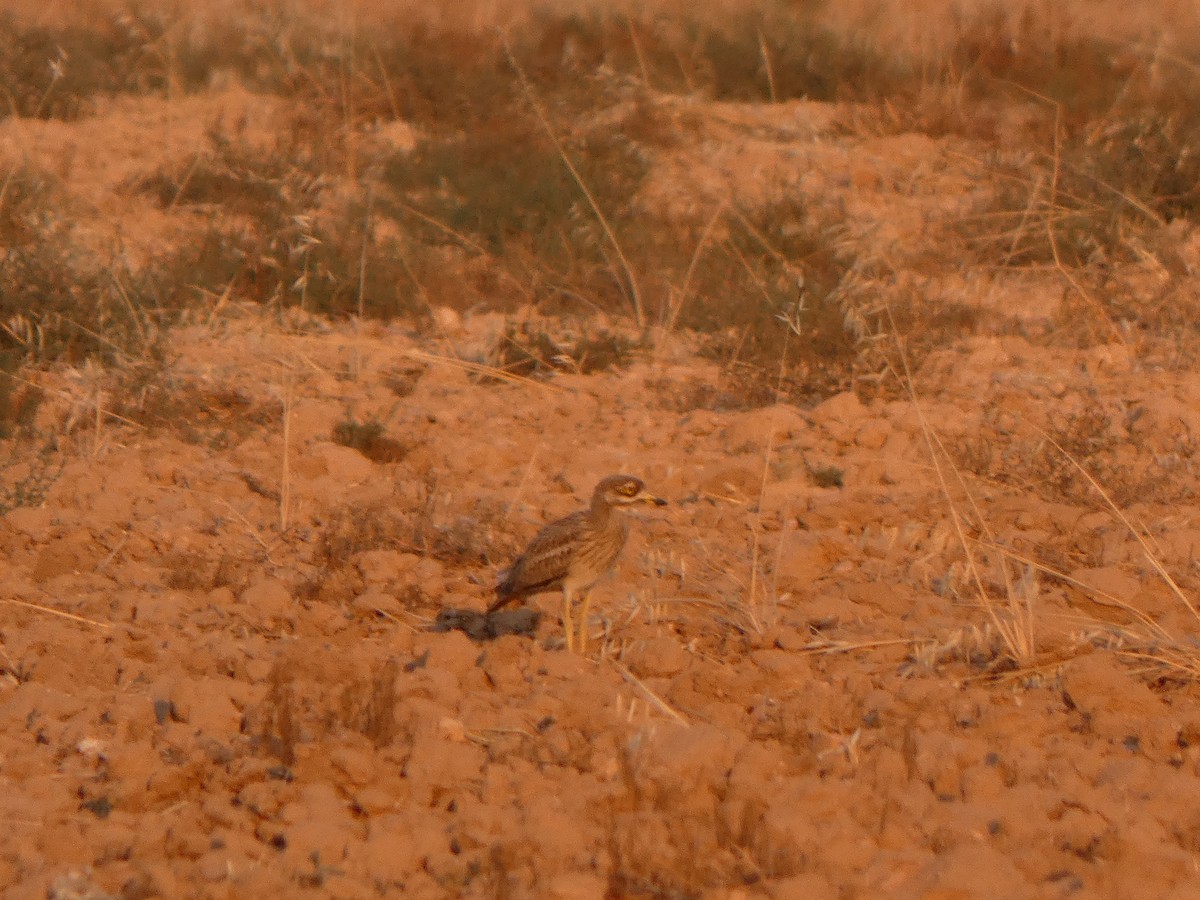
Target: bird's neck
(600, 512)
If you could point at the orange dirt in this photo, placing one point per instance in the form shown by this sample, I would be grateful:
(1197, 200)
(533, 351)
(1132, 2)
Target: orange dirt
(239, 711)
(219, 678)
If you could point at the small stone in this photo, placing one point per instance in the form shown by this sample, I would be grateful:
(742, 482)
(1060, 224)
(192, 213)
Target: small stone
(873, 435)
(375, 602)
(452, 730)
(269, 597)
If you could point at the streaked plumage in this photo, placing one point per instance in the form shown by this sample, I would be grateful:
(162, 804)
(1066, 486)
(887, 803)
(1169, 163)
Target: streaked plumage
(573, 553)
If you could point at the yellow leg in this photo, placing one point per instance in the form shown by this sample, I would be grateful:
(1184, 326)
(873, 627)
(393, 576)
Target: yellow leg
(568, 625)
(581, 644)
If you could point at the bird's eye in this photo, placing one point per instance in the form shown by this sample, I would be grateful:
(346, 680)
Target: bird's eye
(629, 489)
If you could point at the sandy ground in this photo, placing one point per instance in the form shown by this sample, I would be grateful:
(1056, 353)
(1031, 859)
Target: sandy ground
(220, 681)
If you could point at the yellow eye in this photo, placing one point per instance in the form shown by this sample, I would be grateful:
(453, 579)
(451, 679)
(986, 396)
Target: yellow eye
(628, 489)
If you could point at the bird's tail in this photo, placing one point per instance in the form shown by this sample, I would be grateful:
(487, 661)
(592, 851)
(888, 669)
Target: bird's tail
(501, 601)
(504, 593)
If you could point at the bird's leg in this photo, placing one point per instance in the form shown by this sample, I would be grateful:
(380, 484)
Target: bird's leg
(581, 643)
(568, 625)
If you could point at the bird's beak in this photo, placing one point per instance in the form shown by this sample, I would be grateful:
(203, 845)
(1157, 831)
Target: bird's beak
(656, 501)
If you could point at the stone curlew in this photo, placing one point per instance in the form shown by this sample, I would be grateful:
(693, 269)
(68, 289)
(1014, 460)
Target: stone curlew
(573, 553)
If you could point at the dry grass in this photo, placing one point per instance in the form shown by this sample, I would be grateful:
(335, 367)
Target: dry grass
(537, 201)
(29, 474)
(1093, 434)
(1178, 654)
(523, 189)
(81, 309)
(274, 236)
(1013, 617)
(522, 203)
(532, 350)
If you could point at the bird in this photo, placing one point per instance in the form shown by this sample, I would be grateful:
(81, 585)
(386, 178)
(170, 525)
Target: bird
(572, 553)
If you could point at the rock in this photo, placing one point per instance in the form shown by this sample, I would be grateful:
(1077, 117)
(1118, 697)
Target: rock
(844, 409)
(269, 599)
(658, 657)
(1111, 580)
(345, 464)
(32, 521)
(378, 566)
(873, 435)
(374, 602)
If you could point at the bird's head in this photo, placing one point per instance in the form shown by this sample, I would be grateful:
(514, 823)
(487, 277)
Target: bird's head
(624, 490)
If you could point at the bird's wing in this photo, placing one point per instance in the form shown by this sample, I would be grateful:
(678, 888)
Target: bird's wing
(544, 563)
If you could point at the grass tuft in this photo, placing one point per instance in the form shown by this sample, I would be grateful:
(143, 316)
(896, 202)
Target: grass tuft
(27, 478)
(370, 439)
(531, 350)
(275, 238)
(56, 305)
